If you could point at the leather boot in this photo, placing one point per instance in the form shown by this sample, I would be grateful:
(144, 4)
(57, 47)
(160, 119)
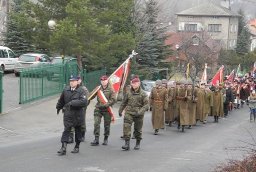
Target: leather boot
(156, 132)
(217, 118)
(137, 146)
(95, 142)
(63, 149)
(76, 148)
(105, 142)
(127, 145)
(182, 128)
(83, 135)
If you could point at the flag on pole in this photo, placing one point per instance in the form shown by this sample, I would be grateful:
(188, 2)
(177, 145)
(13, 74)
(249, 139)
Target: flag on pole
(231, 76)
(218, 77)
(118, 78)
(204, 75)
(238, 71)
(187, 70)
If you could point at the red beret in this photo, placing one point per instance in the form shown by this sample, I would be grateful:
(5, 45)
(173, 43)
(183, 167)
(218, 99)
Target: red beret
(104, 77)
(136, 79)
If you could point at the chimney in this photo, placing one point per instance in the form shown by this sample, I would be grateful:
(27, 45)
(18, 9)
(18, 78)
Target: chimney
(225, 3)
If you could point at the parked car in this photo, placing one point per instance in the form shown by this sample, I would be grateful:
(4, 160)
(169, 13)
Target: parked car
(57, 60)
(30, 60)
(54, 72)
(8, 59)
(147, 86)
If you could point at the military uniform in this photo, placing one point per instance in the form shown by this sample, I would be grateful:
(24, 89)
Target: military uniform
(135, 104)
(217, 109)
(102, 111)
(200, 104)
(183, 108)
(208, 103)
(192, 100)
(159, 103)
(171, 110)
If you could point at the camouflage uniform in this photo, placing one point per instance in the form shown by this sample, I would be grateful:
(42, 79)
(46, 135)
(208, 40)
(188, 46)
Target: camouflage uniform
(135, 104)
(101, 111)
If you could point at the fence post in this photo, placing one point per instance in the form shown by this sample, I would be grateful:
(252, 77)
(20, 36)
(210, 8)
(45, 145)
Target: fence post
(1, 91)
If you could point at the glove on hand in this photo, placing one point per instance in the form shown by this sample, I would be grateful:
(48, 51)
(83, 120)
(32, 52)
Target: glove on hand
(58, 111)
(120, 114)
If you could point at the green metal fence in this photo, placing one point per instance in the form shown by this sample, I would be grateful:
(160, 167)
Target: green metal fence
(47, 80)
(1, 91)
(92, 79)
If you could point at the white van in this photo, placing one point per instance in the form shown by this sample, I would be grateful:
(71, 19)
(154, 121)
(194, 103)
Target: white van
(7, 59)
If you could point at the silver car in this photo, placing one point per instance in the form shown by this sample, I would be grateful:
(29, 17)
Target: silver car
(30, 60)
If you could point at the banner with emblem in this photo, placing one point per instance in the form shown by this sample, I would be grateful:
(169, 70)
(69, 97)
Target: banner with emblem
(231, 76)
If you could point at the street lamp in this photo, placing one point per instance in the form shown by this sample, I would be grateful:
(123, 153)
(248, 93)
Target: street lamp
(51, 24)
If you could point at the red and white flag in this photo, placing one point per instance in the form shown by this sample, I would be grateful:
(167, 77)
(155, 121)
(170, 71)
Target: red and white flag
(231, 76)
(204, 76)
(104, 100)
(118, 78)
(218, 77)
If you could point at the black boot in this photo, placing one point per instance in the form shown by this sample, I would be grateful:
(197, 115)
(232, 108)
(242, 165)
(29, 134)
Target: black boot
(137, 146)
(63, 149)
(95, 141)
(182, 128)
(76, 148)
(127, 145)
(215, 118)
(156, 132)
(105, 142)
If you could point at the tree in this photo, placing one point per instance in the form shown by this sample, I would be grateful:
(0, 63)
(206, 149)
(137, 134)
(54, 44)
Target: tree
(96, 30)
(243, 39)
(18, 28)
(151, 43)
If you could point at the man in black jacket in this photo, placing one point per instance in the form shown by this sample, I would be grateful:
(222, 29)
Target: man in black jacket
(72, 101)
(228, 99)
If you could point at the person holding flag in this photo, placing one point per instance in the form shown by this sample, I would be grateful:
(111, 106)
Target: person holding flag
(101, 110)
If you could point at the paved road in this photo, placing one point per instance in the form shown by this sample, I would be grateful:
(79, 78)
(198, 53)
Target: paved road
(31, 138)
(11, 92)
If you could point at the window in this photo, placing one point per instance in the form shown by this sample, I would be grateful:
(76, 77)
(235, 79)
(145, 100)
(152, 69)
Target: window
(214, 28)
(191, 27)
(5, 54)
(11, 54)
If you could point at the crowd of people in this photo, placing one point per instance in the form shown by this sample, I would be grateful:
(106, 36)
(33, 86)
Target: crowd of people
(186, 104)
(183, 103)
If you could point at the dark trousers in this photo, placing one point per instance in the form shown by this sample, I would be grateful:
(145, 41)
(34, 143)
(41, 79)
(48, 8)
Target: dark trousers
(67, 132)
(226, 107)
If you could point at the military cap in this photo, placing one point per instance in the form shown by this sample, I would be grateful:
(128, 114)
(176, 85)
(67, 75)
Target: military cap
(158, 82)
(104, 77)
(164, 81)
(135, 79)
(73, 78)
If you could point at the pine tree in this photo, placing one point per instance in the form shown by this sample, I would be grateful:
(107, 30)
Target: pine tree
(151, 47)
(243, 39)
(15, 37)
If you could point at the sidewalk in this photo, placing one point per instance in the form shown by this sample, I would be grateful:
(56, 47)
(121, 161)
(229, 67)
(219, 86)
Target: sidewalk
(36, 120)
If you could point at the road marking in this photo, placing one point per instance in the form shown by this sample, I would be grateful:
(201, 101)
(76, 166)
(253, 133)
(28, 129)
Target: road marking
(182, 159)
(92, 169)
(194, 152)
(7, 130)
